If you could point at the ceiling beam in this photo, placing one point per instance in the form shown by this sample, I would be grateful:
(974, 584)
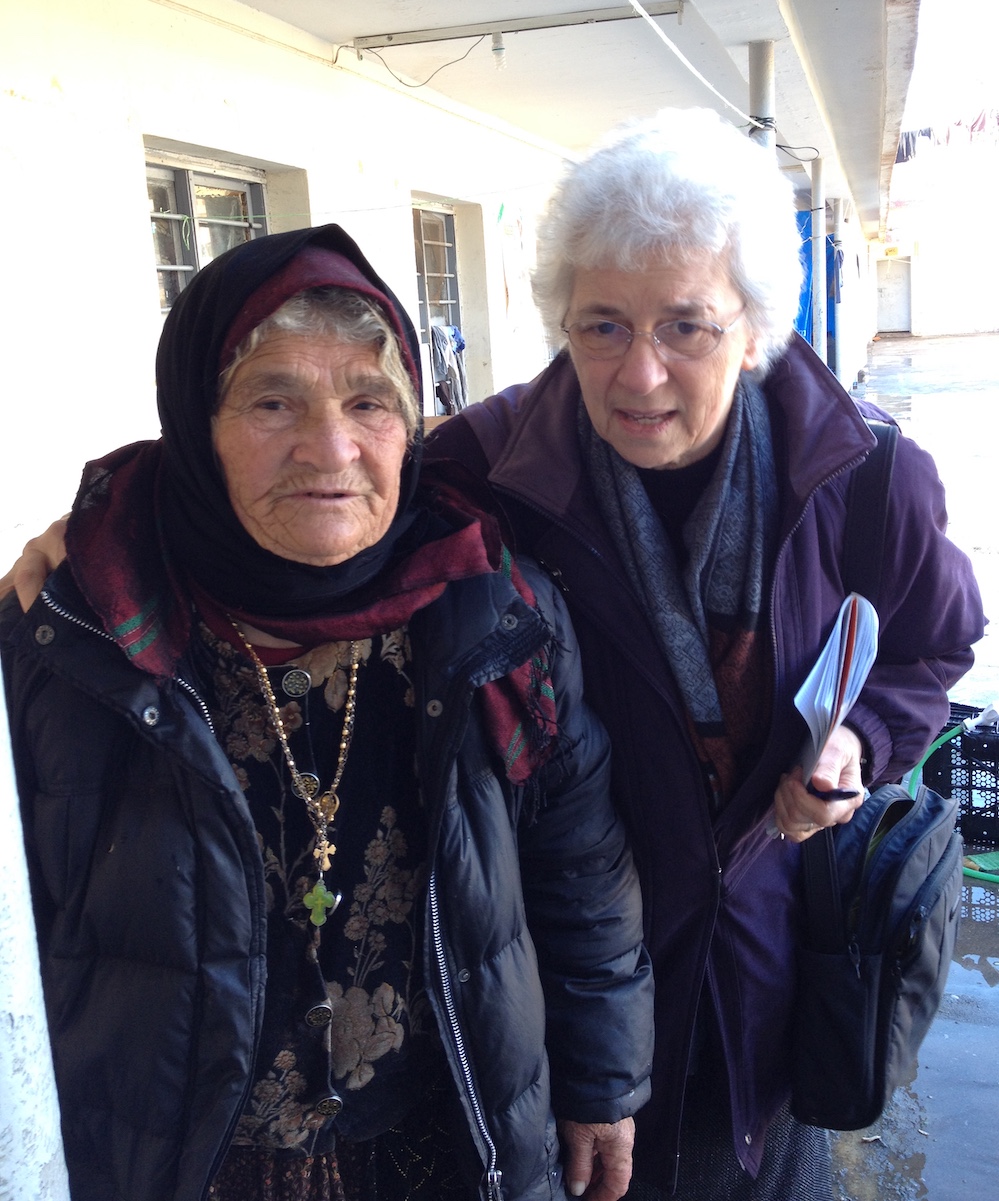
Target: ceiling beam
(449, 33)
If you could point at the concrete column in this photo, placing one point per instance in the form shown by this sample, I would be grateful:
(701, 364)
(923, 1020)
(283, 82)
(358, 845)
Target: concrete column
(818, 261)
(31, 1159)
(762, 93)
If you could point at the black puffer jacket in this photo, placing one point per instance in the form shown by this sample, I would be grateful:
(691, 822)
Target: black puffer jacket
(149, 897)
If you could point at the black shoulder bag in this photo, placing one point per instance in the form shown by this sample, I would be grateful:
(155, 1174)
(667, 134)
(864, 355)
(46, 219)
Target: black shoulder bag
(881, 897)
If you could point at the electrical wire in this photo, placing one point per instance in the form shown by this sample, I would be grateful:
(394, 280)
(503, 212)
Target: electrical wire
(404, 83)
(789, 151)
(767, 123)
(754, 121)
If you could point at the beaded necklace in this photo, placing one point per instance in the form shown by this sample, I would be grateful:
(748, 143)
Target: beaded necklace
(321, 807)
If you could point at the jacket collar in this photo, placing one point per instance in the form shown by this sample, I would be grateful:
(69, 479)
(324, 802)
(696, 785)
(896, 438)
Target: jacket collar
(546, 419)
(822, 433)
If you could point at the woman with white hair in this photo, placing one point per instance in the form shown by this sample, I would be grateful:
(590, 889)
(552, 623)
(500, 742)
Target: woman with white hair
(681, 469)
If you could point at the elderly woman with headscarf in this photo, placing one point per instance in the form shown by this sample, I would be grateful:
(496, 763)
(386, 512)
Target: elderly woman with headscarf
(681, 469)
(331, 900)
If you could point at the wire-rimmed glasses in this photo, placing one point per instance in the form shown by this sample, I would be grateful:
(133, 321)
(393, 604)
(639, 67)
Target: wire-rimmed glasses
(685, 338)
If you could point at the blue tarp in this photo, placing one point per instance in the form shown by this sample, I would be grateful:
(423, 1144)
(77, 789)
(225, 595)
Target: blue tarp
(803, 322)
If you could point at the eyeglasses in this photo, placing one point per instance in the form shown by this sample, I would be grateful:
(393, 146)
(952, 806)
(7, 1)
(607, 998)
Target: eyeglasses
(684, 339)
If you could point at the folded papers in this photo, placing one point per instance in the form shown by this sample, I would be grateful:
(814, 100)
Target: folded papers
(834, 683)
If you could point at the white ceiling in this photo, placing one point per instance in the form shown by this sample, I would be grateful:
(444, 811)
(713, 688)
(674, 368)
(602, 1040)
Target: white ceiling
(841, 68)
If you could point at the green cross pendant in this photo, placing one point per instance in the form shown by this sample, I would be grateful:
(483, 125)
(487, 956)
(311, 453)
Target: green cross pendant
(319, 899)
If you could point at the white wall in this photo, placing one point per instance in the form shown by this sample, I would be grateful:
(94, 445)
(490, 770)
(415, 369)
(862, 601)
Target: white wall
(856, 316)
(941, 217)
(85, 83)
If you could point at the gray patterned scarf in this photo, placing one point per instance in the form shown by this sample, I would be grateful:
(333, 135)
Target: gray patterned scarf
(729, 538)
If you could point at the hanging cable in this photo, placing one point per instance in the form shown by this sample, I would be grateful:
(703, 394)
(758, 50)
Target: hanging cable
(690, 66)
(814, 152)
(404, 83)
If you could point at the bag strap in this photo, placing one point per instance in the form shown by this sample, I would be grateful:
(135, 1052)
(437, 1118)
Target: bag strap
(867, 514)
(863, 560)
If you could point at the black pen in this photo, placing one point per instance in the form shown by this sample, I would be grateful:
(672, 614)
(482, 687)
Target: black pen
(832, 794)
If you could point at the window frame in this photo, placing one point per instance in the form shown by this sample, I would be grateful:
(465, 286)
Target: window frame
(186, 174)
(450, 273)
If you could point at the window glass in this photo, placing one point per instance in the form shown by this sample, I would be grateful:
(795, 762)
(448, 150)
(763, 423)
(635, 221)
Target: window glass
(195, 218)
(436, 269)
(167, 230)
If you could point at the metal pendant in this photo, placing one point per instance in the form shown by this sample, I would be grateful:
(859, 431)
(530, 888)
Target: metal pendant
(296, 682)
(306, 786)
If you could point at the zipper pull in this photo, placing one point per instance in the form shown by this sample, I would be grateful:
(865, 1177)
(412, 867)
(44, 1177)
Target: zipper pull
(556, 576)
(854, 952)
(915, 928)
(493, 1178)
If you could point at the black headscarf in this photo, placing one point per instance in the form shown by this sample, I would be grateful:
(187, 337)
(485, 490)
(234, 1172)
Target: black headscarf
(165, 504)
(198, 526)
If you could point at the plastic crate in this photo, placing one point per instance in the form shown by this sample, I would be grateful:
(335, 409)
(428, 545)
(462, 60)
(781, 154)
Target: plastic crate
(966, 767)
(980, 904)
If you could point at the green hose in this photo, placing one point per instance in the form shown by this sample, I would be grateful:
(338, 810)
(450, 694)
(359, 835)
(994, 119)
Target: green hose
(917, 771)
(975, 874)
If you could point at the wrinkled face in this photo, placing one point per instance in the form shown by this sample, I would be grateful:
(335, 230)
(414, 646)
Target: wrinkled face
(311, 443)
(654, 413)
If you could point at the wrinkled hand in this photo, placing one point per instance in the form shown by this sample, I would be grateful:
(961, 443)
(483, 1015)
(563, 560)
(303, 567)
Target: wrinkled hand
(597, 1158)
(798, 814)
(40, 557)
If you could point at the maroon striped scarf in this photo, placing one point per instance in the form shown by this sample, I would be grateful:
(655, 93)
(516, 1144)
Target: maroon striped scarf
(117, 558)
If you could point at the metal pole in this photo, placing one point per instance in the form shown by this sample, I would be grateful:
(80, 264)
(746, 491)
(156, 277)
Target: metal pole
(839, 353)
(762, 93)
(818, 261)
(31, 1159)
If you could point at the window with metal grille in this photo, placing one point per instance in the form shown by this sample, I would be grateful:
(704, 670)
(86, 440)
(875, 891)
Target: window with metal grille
(436, 269)
(196, 216)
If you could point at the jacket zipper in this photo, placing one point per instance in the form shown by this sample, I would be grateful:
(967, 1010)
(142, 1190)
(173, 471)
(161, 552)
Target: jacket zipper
(493, 1174)
(72, 617)
(86, 625)
(193, 694)
(446, 754)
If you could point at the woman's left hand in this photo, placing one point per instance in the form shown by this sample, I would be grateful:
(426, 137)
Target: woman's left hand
(597, 1158)
(799, 813)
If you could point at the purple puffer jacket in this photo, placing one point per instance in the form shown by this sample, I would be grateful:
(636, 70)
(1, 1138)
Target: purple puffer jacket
(720, 896)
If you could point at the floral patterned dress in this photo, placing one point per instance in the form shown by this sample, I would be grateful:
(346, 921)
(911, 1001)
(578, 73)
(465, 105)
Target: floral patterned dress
(350, 1097)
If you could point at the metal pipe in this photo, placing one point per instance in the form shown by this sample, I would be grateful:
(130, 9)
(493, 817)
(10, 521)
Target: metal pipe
(762, 94)
(818, 261)
(839, 352)
(447, 33)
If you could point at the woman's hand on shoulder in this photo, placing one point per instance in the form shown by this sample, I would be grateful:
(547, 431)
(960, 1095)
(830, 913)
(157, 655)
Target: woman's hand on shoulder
(800, 812)
(40, 557)
(597, 1158)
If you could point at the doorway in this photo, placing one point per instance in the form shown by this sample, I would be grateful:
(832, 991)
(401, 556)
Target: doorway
(894, 296)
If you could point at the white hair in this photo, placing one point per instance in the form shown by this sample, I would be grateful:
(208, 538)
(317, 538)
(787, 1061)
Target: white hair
(663, 189)
(347, 316)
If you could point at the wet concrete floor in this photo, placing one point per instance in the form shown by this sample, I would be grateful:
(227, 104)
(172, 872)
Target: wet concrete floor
(939, 1138)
